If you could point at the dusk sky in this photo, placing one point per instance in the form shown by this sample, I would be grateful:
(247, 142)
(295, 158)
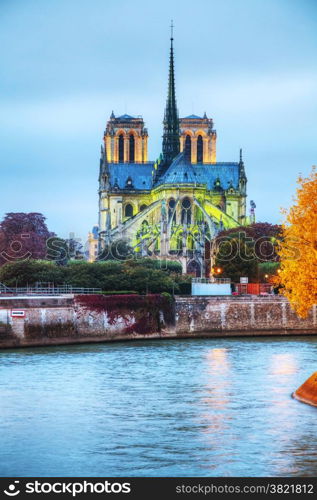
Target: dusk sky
(66, 64)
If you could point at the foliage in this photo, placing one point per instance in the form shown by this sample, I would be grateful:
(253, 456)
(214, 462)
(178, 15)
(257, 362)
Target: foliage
(145, 310)
(23, 273)
(183, 284)
(57, 250)
(108, 275)
(23, 236)
(118, 250)
(147, 280)
(263, 236)
(298, 250)
(236, 258)
(269, 269)
(242, 251)
(162, 264)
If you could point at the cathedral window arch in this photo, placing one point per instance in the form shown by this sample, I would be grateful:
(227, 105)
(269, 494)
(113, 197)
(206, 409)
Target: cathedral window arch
(200, 149)
(128, 210)
(121, 148)
(188, 147)
(171, 209)
(193, 267)
(186, 214)
(131, 148)
(143, 207)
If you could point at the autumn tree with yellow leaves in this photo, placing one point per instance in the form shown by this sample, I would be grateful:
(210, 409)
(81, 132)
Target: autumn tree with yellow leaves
(298, 249)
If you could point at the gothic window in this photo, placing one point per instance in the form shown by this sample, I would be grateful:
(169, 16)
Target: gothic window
(193, 267)
(186, 211)
(128, 210)
(143, 207)
(131, 148)
(188, 147)
(200, 149)
(121, 148)
(171, 209)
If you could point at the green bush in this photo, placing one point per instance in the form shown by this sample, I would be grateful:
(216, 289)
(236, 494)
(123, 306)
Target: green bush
(28, 272)
(141, 276)
(167, 296)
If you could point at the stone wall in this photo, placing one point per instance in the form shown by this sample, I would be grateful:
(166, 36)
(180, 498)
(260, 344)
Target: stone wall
(65, 320)
(251, 315)
(78, 319)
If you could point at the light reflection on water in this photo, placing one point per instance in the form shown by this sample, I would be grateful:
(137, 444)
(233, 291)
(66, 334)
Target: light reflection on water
(200, 407)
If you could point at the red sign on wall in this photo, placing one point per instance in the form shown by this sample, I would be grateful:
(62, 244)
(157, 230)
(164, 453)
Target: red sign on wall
(17, 313)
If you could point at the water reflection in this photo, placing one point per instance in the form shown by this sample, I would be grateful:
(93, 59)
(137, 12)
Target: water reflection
(283, 364)
(218, 407)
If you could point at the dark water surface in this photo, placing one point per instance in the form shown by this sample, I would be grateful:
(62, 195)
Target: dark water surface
(210, 407)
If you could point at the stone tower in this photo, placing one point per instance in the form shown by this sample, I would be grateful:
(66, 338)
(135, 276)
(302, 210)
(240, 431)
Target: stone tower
(125, 140)
(198, 139)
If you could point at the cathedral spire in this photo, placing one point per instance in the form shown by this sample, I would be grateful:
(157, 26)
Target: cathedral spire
(241, 167)
(171, 121)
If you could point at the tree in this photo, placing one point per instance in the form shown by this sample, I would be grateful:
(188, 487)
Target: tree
(117, 250)
(264, 236)
(235, 257)
(243, 250)
(23, 236)
(57, 250)
(298, 250)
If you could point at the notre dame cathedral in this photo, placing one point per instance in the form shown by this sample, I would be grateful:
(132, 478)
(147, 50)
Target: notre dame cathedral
(175, 206)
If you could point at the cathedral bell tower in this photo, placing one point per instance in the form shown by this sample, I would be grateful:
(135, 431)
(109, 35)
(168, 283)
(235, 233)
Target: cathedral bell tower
(125, 140)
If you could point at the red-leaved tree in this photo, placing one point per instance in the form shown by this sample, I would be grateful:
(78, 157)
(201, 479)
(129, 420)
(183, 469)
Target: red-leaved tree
(23, 236)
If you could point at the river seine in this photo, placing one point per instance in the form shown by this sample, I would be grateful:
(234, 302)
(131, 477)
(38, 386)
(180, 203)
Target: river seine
(201, 407)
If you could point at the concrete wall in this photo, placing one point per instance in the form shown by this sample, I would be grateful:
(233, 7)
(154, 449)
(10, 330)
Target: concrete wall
(63, 320)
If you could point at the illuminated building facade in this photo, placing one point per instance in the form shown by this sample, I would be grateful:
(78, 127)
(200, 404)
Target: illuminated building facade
(172, 207)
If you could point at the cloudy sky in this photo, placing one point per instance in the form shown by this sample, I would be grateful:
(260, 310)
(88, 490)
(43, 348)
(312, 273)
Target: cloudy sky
(66, 64)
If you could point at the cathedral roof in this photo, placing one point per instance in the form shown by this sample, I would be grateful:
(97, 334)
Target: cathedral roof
(213, 175)
(180, 171)
(138, 176)
(126, 117)
(193, 117)
(139, 173)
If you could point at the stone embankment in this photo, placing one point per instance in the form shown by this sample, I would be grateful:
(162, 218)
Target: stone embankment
(40, 321)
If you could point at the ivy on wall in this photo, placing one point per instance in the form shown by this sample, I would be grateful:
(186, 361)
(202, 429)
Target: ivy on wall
(150, 312)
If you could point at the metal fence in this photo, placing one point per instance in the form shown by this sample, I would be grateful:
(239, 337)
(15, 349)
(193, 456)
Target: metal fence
(49, 290)
(211, 280)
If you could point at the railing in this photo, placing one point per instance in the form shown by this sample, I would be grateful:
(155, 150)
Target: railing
(51, 290)
(211, 280)
(5, 289)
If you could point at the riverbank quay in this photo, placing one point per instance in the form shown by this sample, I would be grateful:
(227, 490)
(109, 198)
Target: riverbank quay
(72, 319)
